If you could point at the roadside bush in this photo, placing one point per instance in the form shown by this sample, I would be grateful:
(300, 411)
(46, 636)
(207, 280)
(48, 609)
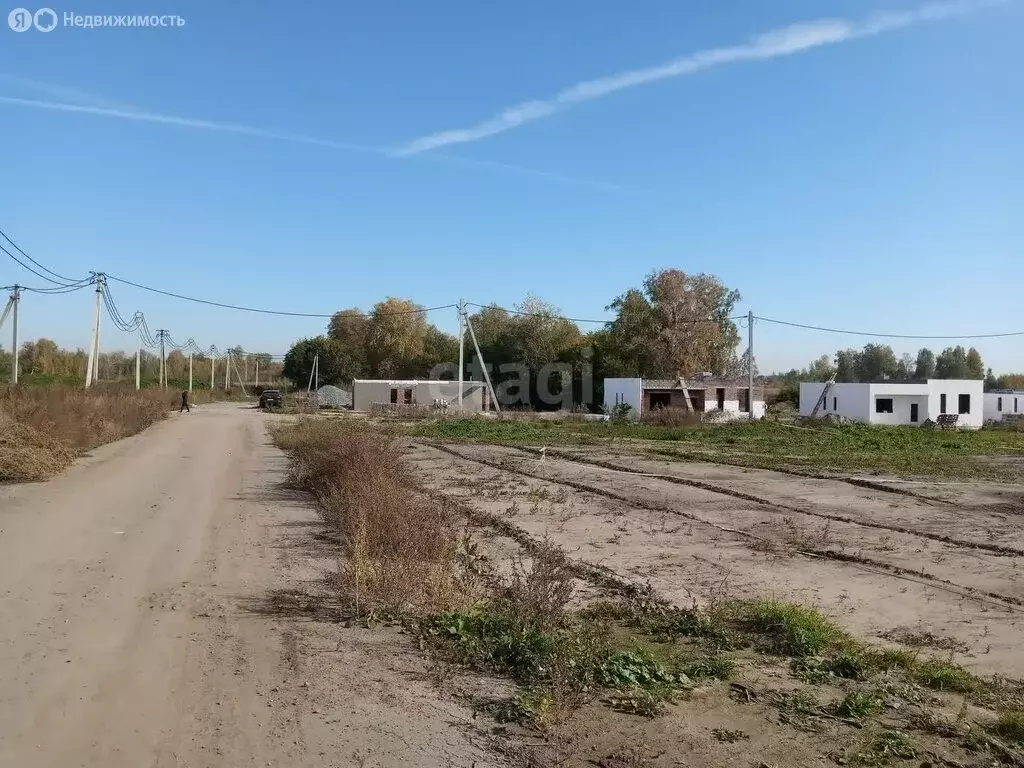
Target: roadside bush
(400, 549)
(52, 425)
(671, 417)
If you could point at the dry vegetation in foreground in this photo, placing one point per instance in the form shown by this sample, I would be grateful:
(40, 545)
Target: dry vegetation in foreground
(43, 429)
(622, 673)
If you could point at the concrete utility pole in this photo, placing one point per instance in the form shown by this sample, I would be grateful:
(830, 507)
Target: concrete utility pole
(190, 370)
(213, 370)
(227, 373)
(15, 301)
(750, 364)
(92, 364)
(138, 368)
(162, 335)
(312, 372)
(257, 371)
(462, 345)
(483, 366)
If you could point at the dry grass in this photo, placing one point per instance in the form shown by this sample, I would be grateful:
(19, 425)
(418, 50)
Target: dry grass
(400, 550)
(43, 429)
(671, 417)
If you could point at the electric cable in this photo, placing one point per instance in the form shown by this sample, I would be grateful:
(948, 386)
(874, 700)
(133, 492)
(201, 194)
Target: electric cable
(60, 278)
(889, 335)
(258, 309)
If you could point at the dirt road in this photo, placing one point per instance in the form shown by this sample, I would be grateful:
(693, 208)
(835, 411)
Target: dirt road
(144, 625)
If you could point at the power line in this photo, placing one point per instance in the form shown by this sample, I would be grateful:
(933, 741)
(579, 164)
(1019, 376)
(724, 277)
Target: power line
(890, 335)
(60, 278)
(264, 311)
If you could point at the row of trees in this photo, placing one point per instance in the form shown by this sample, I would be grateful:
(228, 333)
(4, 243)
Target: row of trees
(45, 360)
(878, 362)
(674, 324)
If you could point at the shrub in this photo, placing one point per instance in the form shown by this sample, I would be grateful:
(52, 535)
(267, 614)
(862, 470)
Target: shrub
(671, 417)
(400, 548)
(45, 428)
(792, 629)
(858, 705)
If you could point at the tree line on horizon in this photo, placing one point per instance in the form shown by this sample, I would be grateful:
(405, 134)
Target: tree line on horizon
(43, 361)
(673, 324)
(878, 362)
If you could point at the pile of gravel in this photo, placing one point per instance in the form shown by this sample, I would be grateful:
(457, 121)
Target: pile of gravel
(329, 396)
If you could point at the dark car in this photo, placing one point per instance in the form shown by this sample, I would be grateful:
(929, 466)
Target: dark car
(271, 398)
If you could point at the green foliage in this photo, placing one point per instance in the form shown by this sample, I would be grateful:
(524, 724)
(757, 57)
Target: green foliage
(792, 629)
(1009, 726)
(499, 643)
(530, 709)
(860, 447)
(945, 676)
(637, 669)
(622, 413)
(858, 705)
(711, 668)
(640, 701)
(662, 329)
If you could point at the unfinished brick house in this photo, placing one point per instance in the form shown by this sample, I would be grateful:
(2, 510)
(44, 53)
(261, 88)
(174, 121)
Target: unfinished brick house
(704, 393)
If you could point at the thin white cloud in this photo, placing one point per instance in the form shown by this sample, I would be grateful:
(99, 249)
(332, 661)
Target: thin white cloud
(126, 112)
(786, 41)
(188, 122)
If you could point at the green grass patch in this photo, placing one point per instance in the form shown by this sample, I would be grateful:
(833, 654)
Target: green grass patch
(854, 448)
(791, 629)
(946, 676)
(858, 705)
(1009, 726)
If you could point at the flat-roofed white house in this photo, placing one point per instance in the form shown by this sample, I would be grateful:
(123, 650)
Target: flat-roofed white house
(898, 403)
(1004, 404)
(368, 394)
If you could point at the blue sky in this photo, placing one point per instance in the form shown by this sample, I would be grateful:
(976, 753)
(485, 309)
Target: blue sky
(861, 170)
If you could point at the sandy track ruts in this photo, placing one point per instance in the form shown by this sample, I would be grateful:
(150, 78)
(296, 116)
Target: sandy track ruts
(619, 527)
(667, 471)
(132, 591)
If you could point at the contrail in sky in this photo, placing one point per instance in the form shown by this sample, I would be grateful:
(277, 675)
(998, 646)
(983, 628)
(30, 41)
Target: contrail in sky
(125, 112)
(785, 41)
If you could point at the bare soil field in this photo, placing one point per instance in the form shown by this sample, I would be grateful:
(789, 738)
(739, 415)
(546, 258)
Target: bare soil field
(929, 570)
(884, 565)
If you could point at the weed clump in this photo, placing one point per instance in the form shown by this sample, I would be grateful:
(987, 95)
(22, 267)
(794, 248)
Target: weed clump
(791, 629)
(1010, 726)
(401, 551)
(858, 705)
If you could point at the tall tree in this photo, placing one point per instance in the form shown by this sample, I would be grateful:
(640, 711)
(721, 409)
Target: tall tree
(847, 365)
(876, 362)
(679, 324)
(952, 363)
(336, 365)
(819, 370)
(395, 339)
(975, 366)
(925, 367)
(905, 367)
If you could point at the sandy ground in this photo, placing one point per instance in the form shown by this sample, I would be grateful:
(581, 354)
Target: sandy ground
(877, 562)
(160, 608)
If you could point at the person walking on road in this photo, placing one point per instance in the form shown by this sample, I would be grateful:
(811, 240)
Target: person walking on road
(184, 402)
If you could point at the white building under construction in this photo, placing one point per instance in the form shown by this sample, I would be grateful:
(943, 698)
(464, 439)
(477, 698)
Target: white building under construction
(385, 394)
